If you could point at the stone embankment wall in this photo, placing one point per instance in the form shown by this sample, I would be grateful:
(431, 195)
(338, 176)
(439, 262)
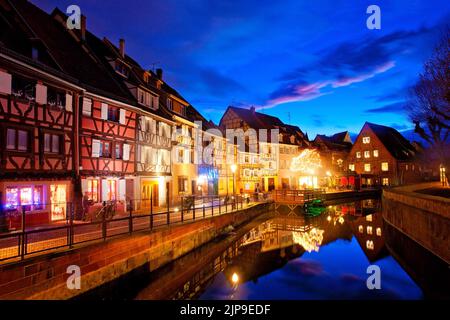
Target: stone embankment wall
(45, 276)
(423, 218)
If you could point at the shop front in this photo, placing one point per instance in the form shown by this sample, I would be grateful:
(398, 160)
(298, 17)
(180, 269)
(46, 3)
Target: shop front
(43, 202)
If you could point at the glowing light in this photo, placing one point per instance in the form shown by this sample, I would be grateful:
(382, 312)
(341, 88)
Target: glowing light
(233, 168)
(308, 161)
(310, 241)
(328, 218)
(235, 278)
(201, 179)
(328, 173)
(176, 209)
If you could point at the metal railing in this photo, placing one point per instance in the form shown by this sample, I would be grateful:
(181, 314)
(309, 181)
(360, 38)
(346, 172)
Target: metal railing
(298, 196)
(104, 223)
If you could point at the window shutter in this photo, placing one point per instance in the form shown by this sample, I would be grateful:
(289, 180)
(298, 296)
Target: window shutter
(126, 152)
(69, 102)
(41, 94)
(104, 114)
(142, 121)
(5, 82)
(155, 102)
(122, 116)
(104, 190)
(84, 186)
(87, 106)
(95, 148)
(121, 189)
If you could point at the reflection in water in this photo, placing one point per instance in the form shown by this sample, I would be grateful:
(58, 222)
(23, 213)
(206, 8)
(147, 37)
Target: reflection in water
(287, 255)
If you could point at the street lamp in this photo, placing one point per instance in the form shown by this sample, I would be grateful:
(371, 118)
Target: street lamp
(233, 169)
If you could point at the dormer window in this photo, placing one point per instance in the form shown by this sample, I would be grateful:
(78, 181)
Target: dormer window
(34, 53)
(121, 68)
(56, 98)
(23, 88)
(169, 104)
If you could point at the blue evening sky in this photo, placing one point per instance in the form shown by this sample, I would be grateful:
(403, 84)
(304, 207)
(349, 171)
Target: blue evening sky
(311, 62)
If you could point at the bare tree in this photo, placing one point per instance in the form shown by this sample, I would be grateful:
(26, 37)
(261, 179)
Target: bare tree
(429, 104)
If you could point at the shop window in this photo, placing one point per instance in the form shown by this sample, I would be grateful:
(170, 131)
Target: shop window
(110, 190)
(17, 140)
(58, 201)
(52, 143)
(28, 197)
(92, 190)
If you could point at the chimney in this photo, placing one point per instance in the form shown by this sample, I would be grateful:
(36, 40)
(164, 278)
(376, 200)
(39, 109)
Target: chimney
(159, 73)
(83, 27)
(252, 109)
(122, 47)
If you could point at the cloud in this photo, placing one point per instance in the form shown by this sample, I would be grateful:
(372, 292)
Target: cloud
(304, 91)
(396, 107)
(400, 127)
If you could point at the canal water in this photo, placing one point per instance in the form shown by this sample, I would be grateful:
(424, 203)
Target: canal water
(286, 254)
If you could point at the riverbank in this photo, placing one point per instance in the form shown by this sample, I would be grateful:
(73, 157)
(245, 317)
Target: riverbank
(422, 217)
(45, 276)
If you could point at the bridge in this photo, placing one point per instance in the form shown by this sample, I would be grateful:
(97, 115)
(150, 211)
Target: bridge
(299, 196)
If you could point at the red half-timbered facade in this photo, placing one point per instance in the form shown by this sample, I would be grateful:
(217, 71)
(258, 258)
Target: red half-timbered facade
(107, 150)
(37, 144)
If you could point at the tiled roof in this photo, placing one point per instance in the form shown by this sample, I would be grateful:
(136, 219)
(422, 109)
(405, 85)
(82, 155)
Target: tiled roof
(397, 145)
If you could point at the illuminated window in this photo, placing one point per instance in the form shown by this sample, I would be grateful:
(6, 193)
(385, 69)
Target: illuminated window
(360, 229)
(369, 230)
(384, 166)
(182, 184)
(12, 198)
(358, 154)
(375, 153)
(367, 167)
(379, 232)
(105, 149)
(28, 197)
(110, 190)
(118, 148)
(366, 154)
(385, 181)
(92, 190)
(58, 201)
(369, 218)
(406, 167)
(366, 140)
(351, 167)
(369, 244)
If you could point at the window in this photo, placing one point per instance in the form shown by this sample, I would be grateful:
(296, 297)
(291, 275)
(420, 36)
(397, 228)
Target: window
(366, 140)
(92, 190)
(122, 68)
(17, 140)
(110, 190)
(406, 167)
(375, 153)
(358, 154)
(351, 167)
(30, 197)
(366, 154)
(369, 244)
(113, 114)
(180, 155)
(52, 143)
(360, 229)
(367, 167)
(169, 104)
(182, 184)
(105, 149)
(56, 98)
(369, 218)
(23, 88)
(119, 150)
(384, 166)
(379, 232)
(369, 230)
(385, 181)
